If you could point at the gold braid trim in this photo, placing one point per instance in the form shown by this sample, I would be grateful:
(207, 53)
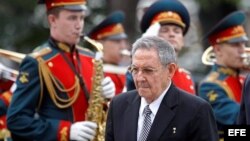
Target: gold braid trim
(228, 90)
(50, 81)
(4, 134)
(41, 92)
(214, 79)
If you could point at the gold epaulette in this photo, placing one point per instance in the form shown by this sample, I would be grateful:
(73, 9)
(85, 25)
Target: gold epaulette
(4, 134)
(213, 77)
(40, 52)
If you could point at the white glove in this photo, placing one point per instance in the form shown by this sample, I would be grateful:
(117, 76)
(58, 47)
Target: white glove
(83, 131)
(108, 88)
(153, 30)
(13, 87)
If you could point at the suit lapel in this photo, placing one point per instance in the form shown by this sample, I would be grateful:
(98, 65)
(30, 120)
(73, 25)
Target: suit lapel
(131, 119)
(165, 114)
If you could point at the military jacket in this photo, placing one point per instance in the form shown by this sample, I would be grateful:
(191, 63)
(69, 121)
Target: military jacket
(119, 80)
(183, 80)
(117, 74)
(5, 98)
(222, 89)
(35, 113)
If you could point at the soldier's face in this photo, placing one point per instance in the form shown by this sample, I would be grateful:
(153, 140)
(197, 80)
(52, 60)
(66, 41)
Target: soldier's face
(67, 26)
(112, 50)
(173, 34)
(229, 54)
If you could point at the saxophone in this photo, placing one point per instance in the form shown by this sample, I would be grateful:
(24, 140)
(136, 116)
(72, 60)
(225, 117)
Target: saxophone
(96, 111)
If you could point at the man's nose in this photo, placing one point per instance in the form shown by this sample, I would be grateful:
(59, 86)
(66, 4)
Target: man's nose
(140, 76)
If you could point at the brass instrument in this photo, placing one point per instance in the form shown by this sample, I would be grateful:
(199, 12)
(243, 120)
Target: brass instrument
(246, 57)
(208, 57)
(96, 110)
(5, 71)
(4, 134)
(9, 74)
(14, 56)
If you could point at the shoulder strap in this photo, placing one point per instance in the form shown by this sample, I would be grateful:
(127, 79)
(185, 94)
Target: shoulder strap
(38, 53)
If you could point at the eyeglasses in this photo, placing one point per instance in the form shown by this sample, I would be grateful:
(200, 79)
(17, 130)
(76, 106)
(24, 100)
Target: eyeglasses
(146, 71)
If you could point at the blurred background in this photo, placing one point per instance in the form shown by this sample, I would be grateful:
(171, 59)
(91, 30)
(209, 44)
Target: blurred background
(23, 25)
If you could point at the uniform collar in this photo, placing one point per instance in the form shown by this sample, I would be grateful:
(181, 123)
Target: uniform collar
(225, 70)
(62, 46)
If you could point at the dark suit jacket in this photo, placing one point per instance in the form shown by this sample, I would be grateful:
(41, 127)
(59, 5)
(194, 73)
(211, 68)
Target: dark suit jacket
(191, 116)
(244, 115)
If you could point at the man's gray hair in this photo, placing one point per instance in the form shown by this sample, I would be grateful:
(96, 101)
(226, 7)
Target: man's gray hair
(165, 50)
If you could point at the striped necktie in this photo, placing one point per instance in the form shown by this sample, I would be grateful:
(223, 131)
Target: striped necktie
(146, 124)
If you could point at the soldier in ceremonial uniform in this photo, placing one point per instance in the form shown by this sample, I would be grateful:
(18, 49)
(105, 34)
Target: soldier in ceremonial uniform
(54, 82)
(5, 99)
(172, 19)
(223, 85)
(6, 89)
(5, 96)
(110, 32)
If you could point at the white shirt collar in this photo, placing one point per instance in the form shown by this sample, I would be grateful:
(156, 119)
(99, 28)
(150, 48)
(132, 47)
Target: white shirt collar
(154, 106)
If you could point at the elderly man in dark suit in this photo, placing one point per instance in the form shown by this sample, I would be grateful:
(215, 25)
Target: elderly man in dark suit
(244, 114)
(157, 109)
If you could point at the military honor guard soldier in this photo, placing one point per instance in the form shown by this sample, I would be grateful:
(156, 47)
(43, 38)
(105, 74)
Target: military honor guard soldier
(174, 21)
(222, 87)
(111, 34)
(7, 87)
(54, 82)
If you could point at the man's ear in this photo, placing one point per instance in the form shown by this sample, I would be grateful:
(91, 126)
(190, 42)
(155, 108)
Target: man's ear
(171, 69)
(51, 19)
(218, 50)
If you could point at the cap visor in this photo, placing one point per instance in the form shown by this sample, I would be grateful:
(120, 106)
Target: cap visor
(171, 22)
(117, 37)
(76, 7)
(239, 39)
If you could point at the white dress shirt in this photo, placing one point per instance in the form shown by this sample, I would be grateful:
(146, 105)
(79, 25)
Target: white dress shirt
(154, 106)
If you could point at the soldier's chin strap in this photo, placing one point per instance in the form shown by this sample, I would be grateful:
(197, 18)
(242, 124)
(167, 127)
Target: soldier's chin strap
(51, 82)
